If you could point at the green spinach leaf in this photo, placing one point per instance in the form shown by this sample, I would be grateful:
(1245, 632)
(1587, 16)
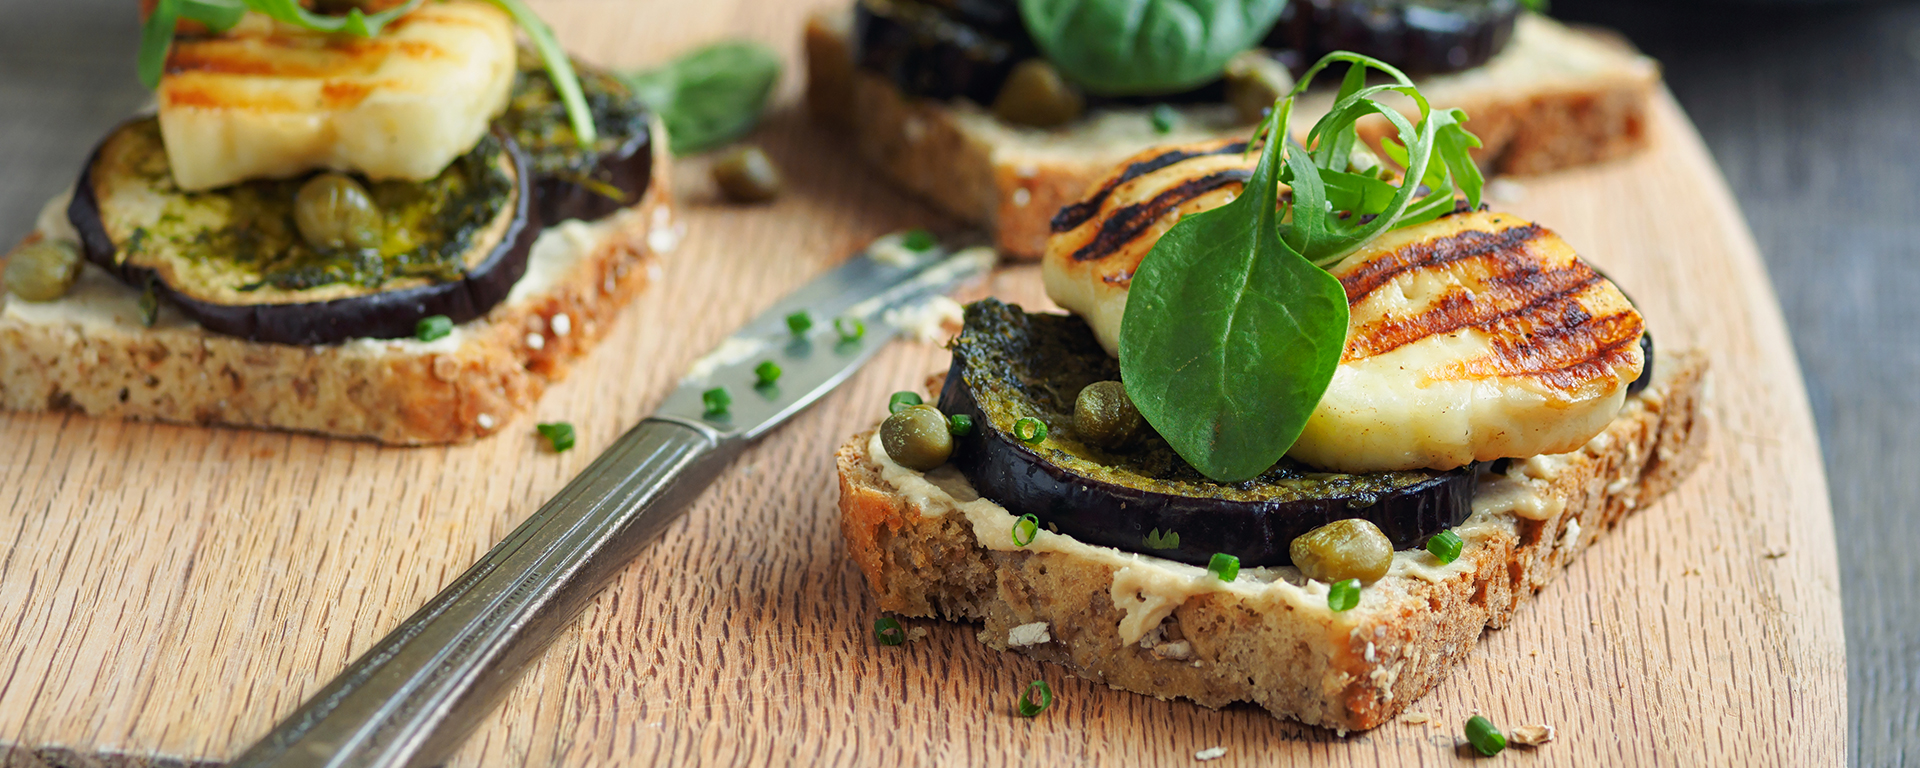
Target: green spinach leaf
(1233, 329)
(1146, 47)
(1230, 334)
(710, 96)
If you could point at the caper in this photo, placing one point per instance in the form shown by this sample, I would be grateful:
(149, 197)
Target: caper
(917, 438)
(1254, 81)
(334, 211)
(1341, 550)
(1035, 94)
(1104, 415)
(44, 270)
(746, 175)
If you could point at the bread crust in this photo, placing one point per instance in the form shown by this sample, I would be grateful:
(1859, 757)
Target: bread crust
(402, 393)
(1585, 102)
(1348, 671)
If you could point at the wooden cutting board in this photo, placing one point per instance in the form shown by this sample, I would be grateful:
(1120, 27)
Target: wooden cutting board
(167, 593)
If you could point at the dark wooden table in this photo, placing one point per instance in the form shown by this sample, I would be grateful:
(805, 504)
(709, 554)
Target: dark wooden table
(1813, 114)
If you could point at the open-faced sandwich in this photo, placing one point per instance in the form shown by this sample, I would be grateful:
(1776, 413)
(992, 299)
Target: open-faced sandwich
(1000, 112)
(1312, 428)
(392, 222)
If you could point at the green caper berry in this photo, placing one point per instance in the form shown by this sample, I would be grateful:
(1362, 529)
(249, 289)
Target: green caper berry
(44, 270)
(1104, 415)
(747, 175)
(1035, 94)
(1254, 82)
(1341, 550)
(334, 211)
(917, 438)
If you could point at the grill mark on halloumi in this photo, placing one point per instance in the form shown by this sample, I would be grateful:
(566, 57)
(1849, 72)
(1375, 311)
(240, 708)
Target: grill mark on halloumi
(1072, 216)
(1380, 270)
(1524, 291)
(1129, 222)
(1566, 357)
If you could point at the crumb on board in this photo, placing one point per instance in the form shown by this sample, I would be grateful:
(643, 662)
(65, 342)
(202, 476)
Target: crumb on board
(1533, 735)
(1775, 553)
(1210, 753)
(917, 633)
(1029, 634)
(1415, 718)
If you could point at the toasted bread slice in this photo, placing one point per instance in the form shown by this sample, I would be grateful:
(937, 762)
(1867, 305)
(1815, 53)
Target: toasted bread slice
(1555, 98)
(91, 352)
(929, 548)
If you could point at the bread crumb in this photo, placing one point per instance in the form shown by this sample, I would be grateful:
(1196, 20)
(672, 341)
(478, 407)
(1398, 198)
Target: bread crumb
(915, 634)
(1178, 650)
(1415, 718)
(1533, 735)
(536, 341)
(485, 421)
(1774, 554)
(562, 325)
(1021, 197)
(1029, 634)
(1213, 753)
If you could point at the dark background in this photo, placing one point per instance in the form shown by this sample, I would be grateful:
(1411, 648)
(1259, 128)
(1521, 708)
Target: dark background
(1812, 110)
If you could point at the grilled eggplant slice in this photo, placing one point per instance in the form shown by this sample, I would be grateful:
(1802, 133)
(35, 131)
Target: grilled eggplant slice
(942, 49)
(1421, 37)
(233, 258)
(1009, 365)
(570, 181)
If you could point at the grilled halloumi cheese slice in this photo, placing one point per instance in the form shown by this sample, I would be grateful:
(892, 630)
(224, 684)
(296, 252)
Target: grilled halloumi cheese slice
(1474, 337)
(271, 100)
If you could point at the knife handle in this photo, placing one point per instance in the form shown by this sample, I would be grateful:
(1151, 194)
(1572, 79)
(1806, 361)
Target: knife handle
(412, 698)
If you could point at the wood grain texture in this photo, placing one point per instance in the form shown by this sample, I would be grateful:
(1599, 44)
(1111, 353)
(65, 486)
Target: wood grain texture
(167, 592)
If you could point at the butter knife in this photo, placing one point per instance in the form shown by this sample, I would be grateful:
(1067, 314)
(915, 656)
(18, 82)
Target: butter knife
(414, 696)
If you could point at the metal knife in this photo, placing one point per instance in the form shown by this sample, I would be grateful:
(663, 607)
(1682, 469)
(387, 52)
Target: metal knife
(413, 697)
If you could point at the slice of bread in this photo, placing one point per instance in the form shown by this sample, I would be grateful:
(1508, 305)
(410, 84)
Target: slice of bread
(91, 353)
(930, 548)
(1554, 98)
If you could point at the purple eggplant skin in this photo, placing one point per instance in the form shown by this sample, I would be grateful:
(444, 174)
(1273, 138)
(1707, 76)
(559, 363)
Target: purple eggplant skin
(381, 315)
(628, 168)
(1022, 480)
(1420, 37)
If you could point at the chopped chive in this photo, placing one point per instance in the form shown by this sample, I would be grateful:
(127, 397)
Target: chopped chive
(559, 433)
(1030, 430)
(800, 322)
(1485, 738)
(887, 630)
(1164, 118)
(1445, 545)
(960, 425)
(717, 400)
(902, 401)
(1343, 595)
(433, 327)
(1028, 706)
(1225, 566)
(1025, 530)
(767, 371)
(849, 328)
(1158, 540)
(917, 240)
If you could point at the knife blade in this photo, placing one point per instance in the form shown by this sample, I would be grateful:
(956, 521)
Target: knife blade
(412, 698)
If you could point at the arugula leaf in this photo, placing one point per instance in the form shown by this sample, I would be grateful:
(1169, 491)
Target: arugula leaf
(710, 96)
(1230, 334)
(1233, 329)
(1146, 47)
